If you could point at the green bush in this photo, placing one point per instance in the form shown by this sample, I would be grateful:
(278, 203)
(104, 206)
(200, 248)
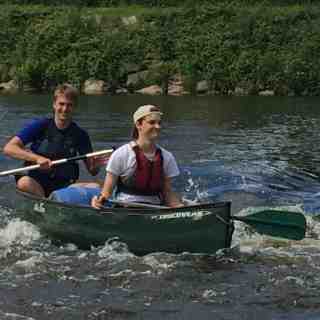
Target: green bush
(157, 3)
(254, 46)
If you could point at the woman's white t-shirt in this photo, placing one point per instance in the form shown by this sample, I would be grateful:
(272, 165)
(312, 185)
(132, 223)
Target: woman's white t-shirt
(122, 163)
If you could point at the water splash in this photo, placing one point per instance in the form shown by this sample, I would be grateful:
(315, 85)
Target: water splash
(13, 316)
(29, 265)
(115, 251)
(18, 232)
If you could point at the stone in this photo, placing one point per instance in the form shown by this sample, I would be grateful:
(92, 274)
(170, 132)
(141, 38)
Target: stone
(266, 93)
(151, 90)
(202, 86)
(94, 87)
(129, 20)
(136, 79)
(10, 86)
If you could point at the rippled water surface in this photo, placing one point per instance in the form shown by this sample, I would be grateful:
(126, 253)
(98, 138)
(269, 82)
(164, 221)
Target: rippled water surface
(258, 152)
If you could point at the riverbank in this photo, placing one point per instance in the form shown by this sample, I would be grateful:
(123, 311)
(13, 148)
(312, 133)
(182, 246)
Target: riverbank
(218, 49)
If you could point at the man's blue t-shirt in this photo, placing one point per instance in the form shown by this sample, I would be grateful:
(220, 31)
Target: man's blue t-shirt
(34, 131)
(48, 140)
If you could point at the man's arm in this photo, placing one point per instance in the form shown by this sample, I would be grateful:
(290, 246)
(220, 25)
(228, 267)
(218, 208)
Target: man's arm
(16, 149)
(92, 164)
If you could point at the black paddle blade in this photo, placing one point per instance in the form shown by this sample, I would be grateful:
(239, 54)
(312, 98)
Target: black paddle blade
(283, 224)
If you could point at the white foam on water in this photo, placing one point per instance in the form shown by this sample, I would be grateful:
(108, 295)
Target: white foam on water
(152, 260)
(313, 228)
(126, 272)
(115, 251)
(5, 214)
(30, 264)
(211, 294)
(82, 255)
(18, 232)
(296, 280)
(13, 316)
(195, 187)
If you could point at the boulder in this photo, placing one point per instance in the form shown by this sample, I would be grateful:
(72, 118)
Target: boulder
(151, 90)
(129, 20)
(10, 86)
(94, 87)
(122, 91)
(239, 91)
(176, 87)
(202, 87)
(266, 93)
(136, 80)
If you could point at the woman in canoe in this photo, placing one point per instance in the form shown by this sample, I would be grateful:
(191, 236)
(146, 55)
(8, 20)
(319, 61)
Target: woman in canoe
(141, 171)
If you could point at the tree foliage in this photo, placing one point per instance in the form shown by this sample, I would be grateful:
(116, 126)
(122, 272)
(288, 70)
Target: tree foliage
(255, 46)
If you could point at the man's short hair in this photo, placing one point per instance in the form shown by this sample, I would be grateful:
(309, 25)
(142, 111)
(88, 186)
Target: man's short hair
(68, 91)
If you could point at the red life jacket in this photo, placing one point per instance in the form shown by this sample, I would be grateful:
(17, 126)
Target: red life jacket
(148, 177)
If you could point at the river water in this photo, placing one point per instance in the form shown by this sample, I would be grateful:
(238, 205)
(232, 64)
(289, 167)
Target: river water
(258, 152)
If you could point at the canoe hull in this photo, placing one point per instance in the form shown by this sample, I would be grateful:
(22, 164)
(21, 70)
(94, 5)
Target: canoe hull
(199, 229)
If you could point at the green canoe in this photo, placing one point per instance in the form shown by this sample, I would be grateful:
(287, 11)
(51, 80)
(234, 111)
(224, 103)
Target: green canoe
(203, 228)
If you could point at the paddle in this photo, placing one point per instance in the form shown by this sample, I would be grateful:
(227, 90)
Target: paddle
(283, 224)
(57, 162)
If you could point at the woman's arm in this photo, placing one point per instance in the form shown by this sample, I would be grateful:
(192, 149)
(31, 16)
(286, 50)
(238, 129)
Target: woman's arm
(171, 199)
(106, 192)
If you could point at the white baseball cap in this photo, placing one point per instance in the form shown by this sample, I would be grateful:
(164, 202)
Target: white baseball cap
(145, 111)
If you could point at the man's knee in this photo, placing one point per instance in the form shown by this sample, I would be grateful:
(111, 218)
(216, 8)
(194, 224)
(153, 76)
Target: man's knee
(29, 185)
(24, 183)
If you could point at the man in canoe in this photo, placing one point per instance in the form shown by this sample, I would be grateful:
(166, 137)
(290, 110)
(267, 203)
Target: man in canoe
(51, 139)
(141, 170)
